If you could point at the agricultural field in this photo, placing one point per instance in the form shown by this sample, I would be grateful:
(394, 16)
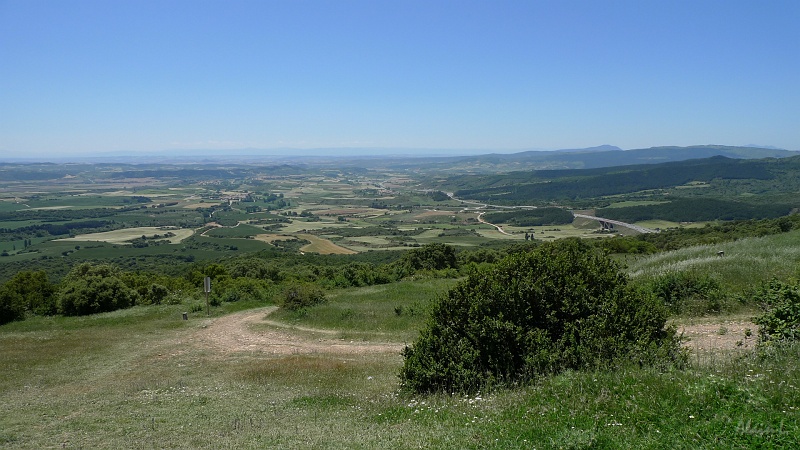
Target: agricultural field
(126, 235)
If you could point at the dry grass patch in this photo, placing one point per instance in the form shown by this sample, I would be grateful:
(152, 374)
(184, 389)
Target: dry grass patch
(323, 246)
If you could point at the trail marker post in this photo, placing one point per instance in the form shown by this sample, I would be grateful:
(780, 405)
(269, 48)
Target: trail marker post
(207, 289)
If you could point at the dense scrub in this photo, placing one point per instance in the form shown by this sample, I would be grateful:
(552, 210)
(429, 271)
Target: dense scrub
(688, 293)
(562, 306)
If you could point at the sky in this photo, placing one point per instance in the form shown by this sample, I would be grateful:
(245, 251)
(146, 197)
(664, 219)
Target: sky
(81, 77)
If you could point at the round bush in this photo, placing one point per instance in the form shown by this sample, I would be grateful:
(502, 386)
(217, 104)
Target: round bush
(562, 306)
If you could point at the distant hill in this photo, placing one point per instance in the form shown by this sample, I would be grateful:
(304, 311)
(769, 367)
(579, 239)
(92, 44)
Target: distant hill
(715, 188)
(588, 158)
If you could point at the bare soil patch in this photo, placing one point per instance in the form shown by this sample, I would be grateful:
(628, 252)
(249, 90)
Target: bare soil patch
(719, 338)
(236, 333)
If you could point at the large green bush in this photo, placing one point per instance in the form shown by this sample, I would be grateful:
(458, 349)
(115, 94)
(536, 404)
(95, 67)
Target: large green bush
(90, 289)
(245, 289)
(561, 306)
(298, 295)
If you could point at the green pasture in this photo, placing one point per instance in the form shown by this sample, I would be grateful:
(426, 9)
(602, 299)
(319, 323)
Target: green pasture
(298, 225)
(376, 241)
(13, 224)
(242, 245)
(160, 217)
(460, 241)
(9, 206)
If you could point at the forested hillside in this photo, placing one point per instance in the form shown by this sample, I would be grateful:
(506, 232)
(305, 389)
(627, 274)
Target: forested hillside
(720, 188)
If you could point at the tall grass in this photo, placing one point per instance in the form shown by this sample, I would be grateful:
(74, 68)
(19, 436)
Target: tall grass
(746, 263)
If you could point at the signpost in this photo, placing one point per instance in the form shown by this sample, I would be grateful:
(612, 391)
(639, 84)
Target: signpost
(207, 289)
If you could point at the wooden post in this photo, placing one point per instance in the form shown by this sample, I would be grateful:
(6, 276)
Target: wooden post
(207, 289)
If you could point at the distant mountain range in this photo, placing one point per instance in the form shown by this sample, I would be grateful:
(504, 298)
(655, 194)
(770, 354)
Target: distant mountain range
(444, 160)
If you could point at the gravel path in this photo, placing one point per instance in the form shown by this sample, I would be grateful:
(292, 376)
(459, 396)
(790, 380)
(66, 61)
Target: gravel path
(235, 333)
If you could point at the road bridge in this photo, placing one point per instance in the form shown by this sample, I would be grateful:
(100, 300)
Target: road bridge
(606, 222)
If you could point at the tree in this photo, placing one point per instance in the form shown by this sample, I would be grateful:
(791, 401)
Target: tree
(563, 305)
(90, 289)
(36, 291)
(11, 305)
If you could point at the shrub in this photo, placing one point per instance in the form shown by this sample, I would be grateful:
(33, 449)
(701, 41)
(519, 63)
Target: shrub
(781, 320)
(689, 293)
(299, 295)
(562, 306)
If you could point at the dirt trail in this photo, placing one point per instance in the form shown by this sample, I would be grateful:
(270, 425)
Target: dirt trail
(720, 337)
(233, 333)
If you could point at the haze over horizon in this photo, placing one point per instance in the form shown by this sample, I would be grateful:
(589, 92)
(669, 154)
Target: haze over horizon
(86, 78)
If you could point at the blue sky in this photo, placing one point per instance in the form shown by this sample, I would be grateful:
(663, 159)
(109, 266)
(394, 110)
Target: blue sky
(89, 77)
